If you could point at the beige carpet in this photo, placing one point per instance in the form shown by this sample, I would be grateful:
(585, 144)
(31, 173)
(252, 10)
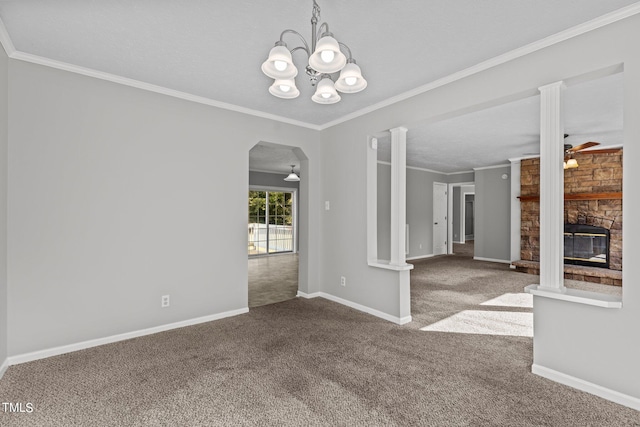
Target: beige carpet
(315, 362)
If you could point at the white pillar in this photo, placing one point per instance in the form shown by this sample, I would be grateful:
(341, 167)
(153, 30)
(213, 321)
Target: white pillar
(372, 200)
(552, 187)
(398, 194)
(516, 212)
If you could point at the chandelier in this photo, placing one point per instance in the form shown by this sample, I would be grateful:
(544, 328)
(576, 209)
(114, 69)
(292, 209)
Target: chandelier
(325, 61)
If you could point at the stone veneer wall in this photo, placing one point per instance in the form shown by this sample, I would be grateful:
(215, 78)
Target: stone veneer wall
(598, 172)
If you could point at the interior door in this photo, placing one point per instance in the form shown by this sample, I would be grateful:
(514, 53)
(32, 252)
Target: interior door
(439, 218)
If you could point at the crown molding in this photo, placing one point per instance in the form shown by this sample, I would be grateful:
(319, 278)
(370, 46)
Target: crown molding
(27, 57)
(7, 44)
(577, 30)
(506, 165)
(567, 34)
(382, 162)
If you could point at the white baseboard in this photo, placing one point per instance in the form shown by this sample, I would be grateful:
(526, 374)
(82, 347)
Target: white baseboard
(308, 296)
(359, 307)
(420, 257)
(41, 354)
(605, 393)
(4, 367)
(503, 261)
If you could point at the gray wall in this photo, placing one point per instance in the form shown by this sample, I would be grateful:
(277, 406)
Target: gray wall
(4, 95)
(419, 210)
(266, 179)
(493, 214)
(584, 346)
(384, 211)
(115, 199)
(119, 196)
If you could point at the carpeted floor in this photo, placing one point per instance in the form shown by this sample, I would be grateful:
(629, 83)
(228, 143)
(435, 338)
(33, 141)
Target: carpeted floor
(315, 362)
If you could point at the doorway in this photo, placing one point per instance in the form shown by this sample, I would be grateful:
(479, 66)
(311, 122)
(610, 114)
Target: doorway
(469, 213)
(439, 218)
(277, 226)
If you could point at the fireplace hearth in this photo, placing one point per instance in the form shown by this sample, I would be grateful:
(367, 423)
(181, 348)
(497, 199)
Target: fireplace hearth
(586, 245)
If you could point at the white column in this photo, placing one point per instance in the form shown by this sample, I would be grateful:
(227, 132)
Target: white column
(516, 213)
(551, 187)
(398, 194)
(372, 200)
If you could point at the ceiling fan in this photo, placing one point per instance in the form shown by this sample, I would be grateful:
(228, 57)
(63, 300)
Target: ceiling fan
(569, 161)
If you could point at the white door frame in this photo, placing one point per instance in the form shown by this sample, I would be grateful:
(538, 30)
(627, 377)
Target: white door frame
(446, 218)
(450, 212)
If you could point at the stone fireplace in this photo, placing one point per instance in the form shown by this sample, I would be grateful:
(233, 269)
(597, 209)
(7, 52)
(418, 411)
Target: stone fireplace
(593, 205)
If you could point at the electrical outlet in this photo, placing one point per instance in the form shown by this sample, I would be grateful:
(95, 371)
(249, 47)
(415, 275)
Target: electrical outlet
(343, 281)
(420, 245)
(164, 302)
(327, 205)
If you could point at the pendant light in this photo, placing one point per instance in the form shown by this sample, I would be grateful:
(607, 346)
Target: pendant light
(292, 176)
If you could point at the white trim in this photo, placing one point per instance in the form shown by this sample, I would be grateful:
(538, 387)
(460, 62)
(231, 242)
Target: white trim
(35, 59)
(516, 211)
(551, 186)
(380, 263)
(356, 306)
(458, 173)
(575, 31)
(398, 195)
(446, 216)
(4, 367)
(308, 296)
(598, 390)
(382, 162)
(42, 354)
(365, 309)
(576, 296)
(5, 39)
(420, 257)
(502, 261)
(506, 165)
(450, 218)
(372, 200)
(425, 170)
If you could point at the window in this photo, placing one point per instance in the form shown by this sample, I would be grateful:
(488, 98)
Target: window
(271, 222)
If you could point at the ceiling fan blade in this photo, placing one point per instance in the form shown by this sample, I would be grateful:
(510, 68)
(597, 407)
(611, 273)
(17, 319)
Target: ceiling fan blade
(583, 146)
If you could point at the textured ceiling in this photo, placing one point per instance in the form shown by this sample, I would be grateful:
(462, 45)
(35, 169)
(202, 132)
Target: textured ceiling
(593, 112)
(214, 49)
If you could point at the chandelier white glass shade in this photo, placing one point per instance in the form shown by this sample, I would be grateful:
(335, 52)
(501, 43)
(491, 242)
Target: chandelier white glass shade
(326, 58)
(284, 89)
(326, 92)
(292, 176)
